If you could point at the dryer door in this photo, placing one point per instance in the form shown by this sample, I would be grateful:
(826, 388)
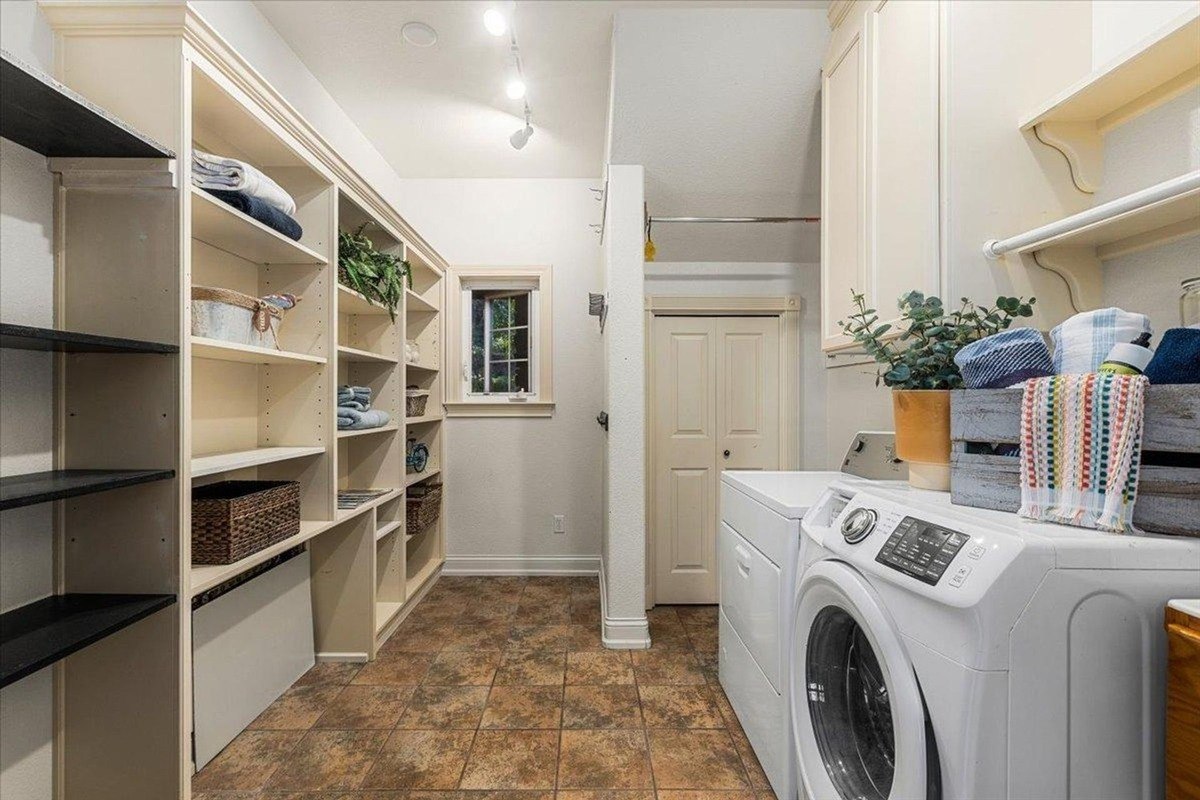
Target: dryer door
(859, 722)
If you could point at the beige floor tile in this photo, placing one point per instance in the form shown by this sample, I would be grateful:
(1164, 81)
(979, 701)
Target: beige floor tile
(601, 707)
(248, 761)
(512, 760)
(394, 668)
(518, 707)
(327, 760)
(366, 707)
(538, 637)
(605, 794)
(332, 672)
(695, 759)
(421, 760)
(703, 639)
(532, 668)
(419, 638)
(667, 668)
(697, 616)
(604, 760)
(296, 709)
(463, 668)
(584, 637)
(694, 794)
(679, 707)
(441, 707)
(605, 667)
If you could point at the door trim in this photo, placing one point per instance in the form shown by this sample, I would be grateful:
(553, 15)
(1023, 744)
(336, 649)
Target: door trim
(787, 309)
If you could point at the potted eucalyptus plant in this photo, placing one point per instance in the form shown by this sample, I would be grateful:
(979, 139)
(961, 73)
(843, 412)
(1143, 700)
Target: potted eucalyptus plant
(917, 363)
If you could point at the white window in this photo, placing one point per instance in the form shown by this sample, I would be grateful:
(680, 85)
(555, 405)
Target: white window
(502, 318)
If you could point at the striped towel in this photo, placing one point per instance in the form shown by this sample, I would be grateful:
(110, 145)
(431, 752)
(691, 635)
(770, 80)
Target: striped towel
(1081, 444)
(1083, 342)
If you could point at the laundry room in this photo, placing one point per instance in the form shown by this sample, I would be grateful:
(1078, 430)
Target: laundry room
(600, 400)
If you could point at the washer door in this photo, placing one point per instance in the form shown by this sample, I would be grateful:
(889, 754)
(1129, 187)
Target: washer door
(859, 721)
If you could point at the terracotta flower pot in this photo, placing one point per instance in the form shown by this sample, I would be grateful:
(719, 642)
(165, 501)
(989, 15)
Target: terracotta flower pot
(923, 435)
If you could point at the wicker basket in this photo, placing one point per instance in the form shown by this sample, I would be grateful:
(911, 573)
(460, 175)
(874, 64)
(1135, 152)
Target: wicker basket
(414, 402)
(235, 519)
(424, 505)
(234, 317)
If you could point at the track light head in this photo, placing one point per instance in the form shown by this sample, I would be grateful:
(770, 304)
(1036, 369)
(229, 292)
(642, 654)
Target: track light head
(521, 138)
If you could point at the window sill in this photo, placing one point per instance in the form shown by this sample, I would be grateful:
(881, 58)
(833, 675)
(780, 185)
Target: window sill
(500, 408)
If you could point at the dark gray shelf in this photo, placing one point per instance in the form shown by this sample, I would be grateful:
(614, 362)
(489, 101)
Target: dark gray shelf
(40, 633)
(42, 487)
(24, 337)
(40, 113)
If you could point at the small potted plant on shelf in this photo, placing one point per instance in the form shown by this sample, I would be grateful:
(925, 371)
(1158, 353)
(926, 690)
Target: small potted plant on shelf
(918, 365)
(379, 277)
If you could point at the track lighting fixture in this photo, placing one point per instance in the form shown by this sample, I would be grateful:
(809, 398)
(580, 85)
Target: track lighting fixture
(515, 89)
(494, 21)
(521, 137)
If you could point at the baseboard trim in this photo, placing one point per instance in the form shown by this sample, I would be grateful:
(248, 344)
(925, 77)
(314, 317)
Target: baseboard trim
(330, 658)
(521, 565)
(621, 633)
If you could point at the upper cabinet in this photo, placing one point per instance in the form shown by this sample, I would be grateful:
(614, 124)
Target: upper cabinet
(879, 158)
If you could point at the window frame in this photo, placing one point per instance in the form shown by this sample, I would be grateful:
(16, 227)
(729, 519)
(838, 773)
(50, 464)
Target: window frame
(532, 327)
(460, 400)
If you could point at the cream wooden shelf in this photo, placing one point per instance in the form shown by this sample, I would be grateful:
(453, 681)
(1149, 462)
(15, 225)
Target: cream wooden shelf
(346, 513)
(385, 612)
(416, 303)
(352, 302)
(367, 432)
(241, 459)
(410, 535)
(205, 577)
(423, 367)
(387, 529)
(417, 477)
(217, 350)
(364, 356)
(424, 419)
(423, 574)
(1157, 69)
(225, 228)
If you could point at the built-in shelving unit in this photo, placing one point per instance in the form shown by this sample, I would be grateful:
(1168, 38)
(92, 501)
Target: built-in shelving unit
(416, 304)
(349, 434)
(1076, 120)
(24, 337)
(224, 227)
(417, 477)
(38, 634)
(351, 302)
(205, 576)
(44, 487)
(217, 350)
(218, 463)
(347, 353)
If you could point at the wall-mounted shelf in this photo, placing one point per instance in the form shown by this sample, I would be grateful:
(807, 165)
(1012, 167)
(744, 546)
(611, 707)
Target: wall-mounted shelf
(36, 635)
(43, 487)
(424, 420)
(24, 337)
(364, 356)
(40, 113)
(1145, 76)
(226, 462)
(418, 304)
(388, 529)
(225, 228)
(344, 434)
(206, 576)
(217, 350)
(351, 302)
(417, 477)
(1076, 245)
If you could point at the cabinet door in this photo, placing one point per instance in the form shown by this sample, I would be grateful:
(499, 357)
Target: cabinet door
(902, 159)
(842, 190)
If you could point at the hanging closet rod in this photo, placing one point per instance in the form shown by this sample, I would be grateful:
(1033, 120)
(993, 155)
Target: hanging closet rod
(734, 219)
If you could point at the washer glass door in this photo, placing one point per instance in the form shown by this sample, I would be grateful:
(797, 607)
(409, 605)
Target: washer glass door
(849, 707)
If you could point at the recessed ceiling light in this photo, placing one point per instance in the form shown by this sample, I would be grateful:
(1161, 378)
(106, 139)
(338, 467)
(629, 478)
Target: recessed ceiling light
(495, 22)
(419, 34)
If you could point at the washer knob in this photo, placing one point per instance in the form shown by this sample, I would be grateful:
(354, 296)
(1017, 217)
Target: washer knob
(858, 525)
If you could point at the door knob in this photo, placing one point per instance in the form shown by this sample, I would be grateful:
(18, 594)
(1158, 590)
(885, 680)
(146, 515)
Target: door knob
(726, 454)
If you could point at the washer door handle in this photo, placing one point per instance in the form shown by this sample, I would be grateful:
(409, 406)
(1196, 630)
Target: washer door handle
(743, 560)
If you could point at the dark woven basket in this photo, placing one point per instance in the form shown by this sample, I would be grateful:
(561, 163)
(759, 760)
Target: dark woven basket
(414, 405)
(424, 505)
(235, 519)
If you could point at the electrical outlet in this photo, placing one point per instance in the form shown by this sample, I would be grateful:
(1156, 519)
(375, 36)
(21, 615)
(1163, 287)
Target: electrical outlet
(560, 523)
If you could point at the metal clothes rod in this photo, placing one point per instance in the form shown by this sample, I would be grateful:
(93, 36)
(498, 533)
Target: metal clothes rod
(734, 219)
(1167, 190)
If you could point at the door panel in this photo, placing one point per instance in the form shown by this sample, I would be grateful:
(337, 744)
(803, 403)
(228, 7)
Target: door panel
(748, 381)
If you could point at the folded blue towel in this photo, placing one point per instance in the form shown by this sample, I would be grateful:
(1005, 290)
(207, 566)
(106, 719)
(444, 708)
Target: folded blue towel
(1177, 359)
(370, 419)
(263, 212)
(344, 422)
(1005, 359)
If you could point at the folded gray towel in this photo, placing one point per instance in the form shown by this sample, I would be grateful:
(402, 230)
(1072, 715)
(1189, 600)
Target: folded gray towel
(371, 419)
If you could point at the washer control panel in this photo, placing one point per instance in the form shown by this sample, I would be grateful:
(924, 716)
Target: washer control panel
(923, 550)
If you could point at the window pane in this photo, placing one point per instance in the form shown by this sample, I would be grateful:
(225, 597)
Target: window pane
(477, 341)
(520, 376)
(500, 378)
(501, 312)
(520, 342)
(501, 345)
(521, 309)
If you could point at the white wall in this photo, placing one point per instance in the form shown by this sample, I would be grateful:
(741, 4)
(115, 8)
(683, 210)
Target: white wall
(746, 279)
(26, 535)
(507, 478)
(1118, 25)
(721, 107)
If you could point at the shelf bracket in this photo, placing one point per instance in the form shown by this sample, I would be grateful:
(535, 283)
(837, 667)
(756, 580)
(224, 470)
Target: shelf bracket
(114, 173)
(1080, 269)
(1082, 144)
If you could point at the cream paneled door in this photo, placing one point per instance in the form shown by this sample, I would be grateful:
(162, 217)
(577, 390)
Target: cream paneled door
(716, 406)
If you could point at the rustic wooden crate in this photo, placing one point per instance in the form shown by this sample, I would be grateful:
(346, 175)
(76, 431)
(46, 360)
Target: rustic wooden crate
(1168, 498)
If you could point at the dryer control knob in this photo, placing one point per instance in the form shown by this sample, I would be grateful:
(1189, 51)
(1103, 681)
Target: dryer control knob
(858, 525)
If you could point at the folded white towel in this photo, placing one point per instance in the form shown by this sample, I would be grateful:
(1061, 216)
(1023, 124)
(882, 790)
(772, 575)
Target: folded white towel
(1083, 342)
(231, 175)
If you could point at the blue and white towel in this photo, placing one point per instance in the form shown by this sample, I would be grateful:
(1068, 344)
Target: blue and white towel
(1004, 359)
(231, 175)
(1083, 342)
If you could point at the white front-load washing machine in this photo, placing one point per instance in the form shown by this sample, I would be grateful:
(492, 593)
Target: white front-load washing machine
(947, 652)
(758, 558)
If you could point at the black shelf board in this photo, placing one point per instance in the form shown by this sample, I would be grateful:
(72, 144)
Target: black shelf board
(42, 487)
(40, 113)
(24, 337)
(38, 634)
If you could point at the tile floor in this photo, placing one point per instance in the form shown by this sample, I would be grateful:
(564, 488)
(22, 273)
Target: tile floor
(499, 689)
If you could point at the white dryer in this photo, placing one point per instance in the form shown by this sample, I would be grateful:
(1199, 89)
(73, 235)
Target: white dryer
(758, 556)
(948, 652)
